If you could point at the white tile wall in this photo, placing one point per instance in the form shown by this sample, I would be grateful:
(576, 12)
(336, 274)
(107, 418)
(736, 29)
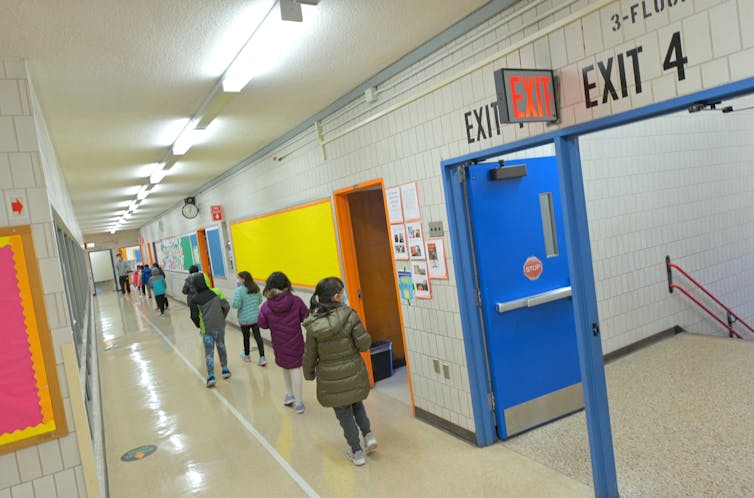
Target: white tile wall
(46, 470)
(10, 99)
(7, 135)
(44, 486)
(628, 177)
(25, 490)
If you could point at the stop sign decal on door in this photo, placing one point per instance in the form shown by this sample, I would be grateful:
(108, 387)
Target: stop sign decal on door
(532, 268)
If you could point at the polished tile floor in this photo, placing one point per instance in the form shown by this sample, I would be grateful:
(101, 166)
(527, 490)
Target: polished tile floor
(238, 440)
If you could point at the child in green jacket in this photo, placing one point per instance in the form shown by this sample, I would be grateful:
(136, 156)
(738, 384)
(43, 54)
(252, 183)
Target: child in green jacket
(334, 337)
(208, 310)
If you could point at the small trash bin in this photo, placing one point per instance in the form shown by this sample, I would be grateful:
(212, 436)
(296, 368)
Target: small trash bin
(381, 353)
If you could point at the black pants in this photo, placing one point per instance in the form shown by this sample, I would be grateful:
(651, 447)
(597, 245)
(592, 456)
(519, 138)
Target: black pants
(125, 285)
(162, 302)
(257, 337)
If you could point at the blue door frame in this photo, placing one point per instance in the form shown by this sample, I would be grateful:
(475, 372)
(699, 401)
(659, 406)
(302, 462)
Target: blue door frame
(580, 265)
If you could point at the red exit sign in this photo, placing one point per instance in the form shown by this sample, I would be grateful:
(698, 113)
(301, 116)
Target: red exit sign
(525, 95)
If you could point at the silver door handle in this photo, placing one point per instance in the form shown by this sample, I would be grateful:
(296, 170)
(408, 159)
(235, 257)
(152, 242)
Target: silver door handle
(535, 300)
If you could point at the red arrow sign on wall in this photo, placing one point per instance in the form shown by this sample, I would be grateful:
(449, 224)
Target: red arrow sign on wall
(17, 207)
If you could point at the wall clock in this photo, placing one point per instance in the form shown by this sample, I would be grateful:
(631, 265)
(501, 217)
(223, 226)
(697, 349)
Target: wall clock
(189, 209)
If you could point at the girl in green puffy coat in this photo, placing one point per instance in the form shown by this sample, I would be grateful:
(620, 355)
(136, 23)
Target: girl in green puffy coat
(334, 338)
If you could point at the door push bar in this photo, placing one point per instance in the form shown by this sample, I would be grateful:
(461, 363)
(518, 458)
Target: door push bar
(535, 300)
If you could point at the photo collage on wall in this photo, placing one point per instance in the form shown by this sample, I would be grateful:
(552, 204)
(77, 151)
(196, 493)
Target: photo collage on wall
(424, 259)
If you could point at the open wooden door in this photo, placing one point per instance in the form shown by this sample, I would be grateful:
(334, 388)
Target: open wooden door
(369, 268)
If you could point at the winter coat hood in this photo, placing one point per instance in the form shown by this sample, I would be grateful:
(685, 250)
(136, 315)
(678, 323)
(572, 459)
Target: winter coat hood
(281, 301)
(327, 325)
(200, 281)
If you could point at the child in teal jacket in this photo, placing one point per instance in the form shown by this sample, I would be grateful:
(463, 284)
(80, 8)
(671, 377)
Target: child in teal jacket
(247, 300)
(159, 287)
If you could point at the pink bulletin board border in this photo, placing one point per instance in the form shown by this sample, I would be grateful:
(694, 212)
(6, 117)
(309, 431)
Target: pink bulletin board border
(37, 380)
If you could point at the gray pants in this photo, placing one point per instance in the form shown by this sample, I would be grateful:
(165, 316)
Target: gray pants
(352, 418)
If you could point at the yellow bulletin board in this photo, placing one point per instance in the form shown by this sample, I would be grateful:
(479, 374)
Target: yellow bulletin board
(31, 408)
(299, 241)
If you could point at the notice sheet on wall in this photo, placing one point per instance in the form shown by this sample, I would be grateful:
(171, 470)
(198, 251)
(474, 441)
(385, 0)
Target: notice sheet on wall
(410, 199)
(438, 267)
(400, 248)
(420, 277)
(415, 240)
(394, 208)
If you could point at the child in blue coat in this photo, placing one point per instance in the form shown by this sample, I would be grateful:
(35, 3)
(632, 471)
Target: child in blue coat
(159, 287)
(247, 300)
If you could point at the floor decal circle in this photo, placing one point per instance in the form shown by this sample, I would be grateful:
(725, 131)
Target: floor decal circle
(138, 453)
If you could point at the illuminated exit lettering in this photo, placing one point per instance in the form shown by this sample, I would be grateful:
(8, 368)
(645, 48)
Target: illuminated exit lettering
(531, 96)
(525, 95)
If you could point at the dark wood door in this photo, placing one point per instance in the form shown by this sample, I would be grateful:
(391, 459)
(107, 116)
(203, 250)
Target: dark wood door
(375, 266)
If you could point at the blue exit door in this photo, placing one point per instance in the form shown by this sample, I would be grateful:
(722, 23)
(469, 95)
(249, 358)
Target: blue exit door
(522, 270)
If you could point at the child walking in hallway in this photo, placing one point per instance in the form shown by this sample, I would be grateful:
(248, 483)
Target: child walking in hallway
(159, 287)
(208, 311)
(334, 338)
(247, 300)
(283, 313)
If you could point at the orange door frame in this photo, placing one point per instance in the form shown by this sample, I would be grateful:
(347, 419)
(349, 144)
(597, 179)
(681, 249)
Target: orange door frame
(351, 270)
(201, 237)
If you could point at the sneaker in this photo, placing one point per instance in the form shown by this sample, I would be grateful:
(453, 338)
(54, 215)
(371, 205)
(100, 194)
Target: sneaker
(211, 381)
(370, 442)
(246, 358)
(262, 361)
(226, 373)
(356, 457)
(289, 400)
(300, 408)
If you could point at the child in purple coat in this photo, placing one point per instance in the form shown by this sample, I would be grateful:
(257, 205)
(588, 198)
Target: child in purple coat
(283, 313)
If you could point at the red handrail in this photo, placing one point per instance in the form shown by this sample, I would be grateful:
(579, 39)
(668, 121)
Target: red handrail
(730, 312)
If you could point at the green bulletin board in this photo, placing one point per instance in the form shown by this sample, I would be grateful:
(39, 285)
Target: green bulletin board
(188, 254)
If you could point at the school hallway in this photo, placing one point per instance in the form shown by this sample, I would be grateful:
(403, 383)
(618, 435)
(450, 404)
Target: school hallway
(239, 440)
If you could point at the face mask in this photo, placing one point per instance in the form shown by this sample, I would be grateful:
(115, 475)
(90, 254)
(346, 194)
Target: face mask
(239, 283)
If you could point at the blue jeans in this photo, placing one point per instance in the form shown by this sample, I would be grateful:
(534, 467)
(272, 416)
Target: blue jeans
(212, 339)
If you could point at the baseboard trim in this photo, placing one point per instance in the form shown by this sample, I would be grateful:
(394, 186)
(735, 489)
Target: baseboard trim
(446, 426)
(647, 341)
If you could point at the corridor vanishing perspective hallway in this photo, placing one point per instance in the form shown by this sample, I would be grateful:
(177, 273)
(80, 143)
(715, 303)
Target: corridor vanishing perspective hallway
(239, 440)
(679, 418)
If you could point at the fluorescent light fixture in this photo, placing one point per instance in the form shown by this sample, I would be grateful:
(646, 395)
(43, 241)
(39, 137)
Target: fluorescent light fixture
(143, 192)
(158, 174)
(267, 48)
(188, 137)
(234, 36)
(112, 230)
(134, 204)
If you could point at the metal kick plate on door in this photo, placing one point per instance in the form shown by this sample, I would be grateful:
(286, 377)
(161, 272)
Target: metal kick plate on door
(534, 300)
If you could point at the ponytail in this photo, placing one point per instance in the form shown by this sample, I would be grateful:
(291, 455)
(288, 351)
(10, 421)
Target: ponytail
(322, 301)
